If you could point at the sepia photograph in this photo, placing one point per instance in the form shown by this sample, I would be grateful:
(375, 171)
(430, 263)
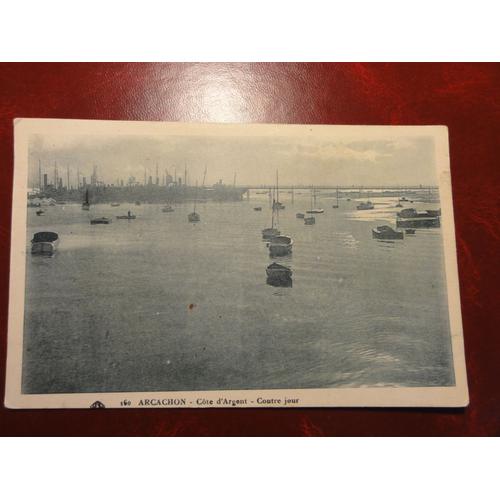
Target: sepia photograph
(197, 265)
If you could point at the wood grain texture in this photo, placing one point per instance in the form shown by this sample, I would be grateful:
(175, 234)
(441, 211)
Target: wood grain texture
(465, 97)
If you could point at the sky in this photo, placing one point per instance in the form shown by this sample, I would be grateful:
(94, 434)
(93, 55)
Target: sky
(300, 161)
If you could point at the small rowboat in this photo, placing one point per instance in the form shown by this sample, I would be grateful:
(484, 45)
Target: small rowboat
(101, 220)
(44, 243)
(387, 233)
(280, 245)
(193, 217)
(278, 275)
(365, 206)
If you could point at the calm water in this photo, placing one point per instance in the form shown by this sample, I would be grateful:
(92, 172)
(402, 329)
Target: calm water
(161, 304)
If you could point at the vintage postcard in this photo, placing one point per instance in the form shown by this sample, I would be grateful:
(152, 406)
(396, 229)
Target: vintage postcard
(214, 265)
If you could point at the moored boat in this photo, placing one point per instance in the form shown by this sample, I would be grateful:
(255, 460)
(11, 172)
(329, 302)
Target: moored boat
(258, 209)
(280, 245)
(278, 272)
(194, 217)
(115, 204)
(100, 220)
(86, 201)
(40, 212)
(336, 205)
(434, 213)
(309, 221)
(387, 233)
(416, 222)
(365, 205)
(300, 215)
(411, 213)
(273, 231)
(44, 243)
(410, 231)
(129, 216)
(167, 209)
(314, 209)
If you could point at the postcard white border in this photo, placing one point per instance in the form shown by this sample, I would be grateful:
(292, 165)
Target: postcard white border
(453, 396)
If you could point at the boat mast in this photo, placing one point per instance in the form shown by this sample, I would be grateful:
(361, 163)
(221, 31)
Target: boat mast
(195, 197)
(272, 211)
(277, 201)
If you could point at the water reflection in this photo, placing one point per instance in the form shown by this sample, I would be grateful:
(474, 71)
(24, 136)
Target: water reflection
(283, 282)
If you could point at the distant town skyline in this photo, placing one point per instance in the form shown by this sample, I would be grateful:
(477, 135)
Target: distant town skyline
(245, 161)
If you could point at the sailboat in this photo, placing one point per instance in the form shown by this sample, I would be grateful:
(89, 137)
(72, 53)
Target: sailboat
(272, 231)
(314, 210)
(86, 202)
(280, 245)
(309, 221)
(336, 204)
(194, 216)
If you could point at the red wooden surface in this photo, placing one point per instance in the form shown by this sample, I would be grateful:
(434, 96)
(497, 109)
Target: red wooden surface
(463, 96)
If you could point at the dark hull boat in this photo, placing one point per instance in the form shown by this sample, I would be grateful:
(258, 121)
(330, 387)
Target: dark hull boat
(365, 206)
(126, 217)
(258, 209)
(409, 231)
(100, 220)
(309, 221)
(115, 204)
(387, 233)
(411, 213)
(86, 202)
(44, 243)
(194, 217)
(418, 222)
(280, 245)
(167, 209)
(316, 211)
(300, 216)
(40, 212)
(434, 213)
(278, 275)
